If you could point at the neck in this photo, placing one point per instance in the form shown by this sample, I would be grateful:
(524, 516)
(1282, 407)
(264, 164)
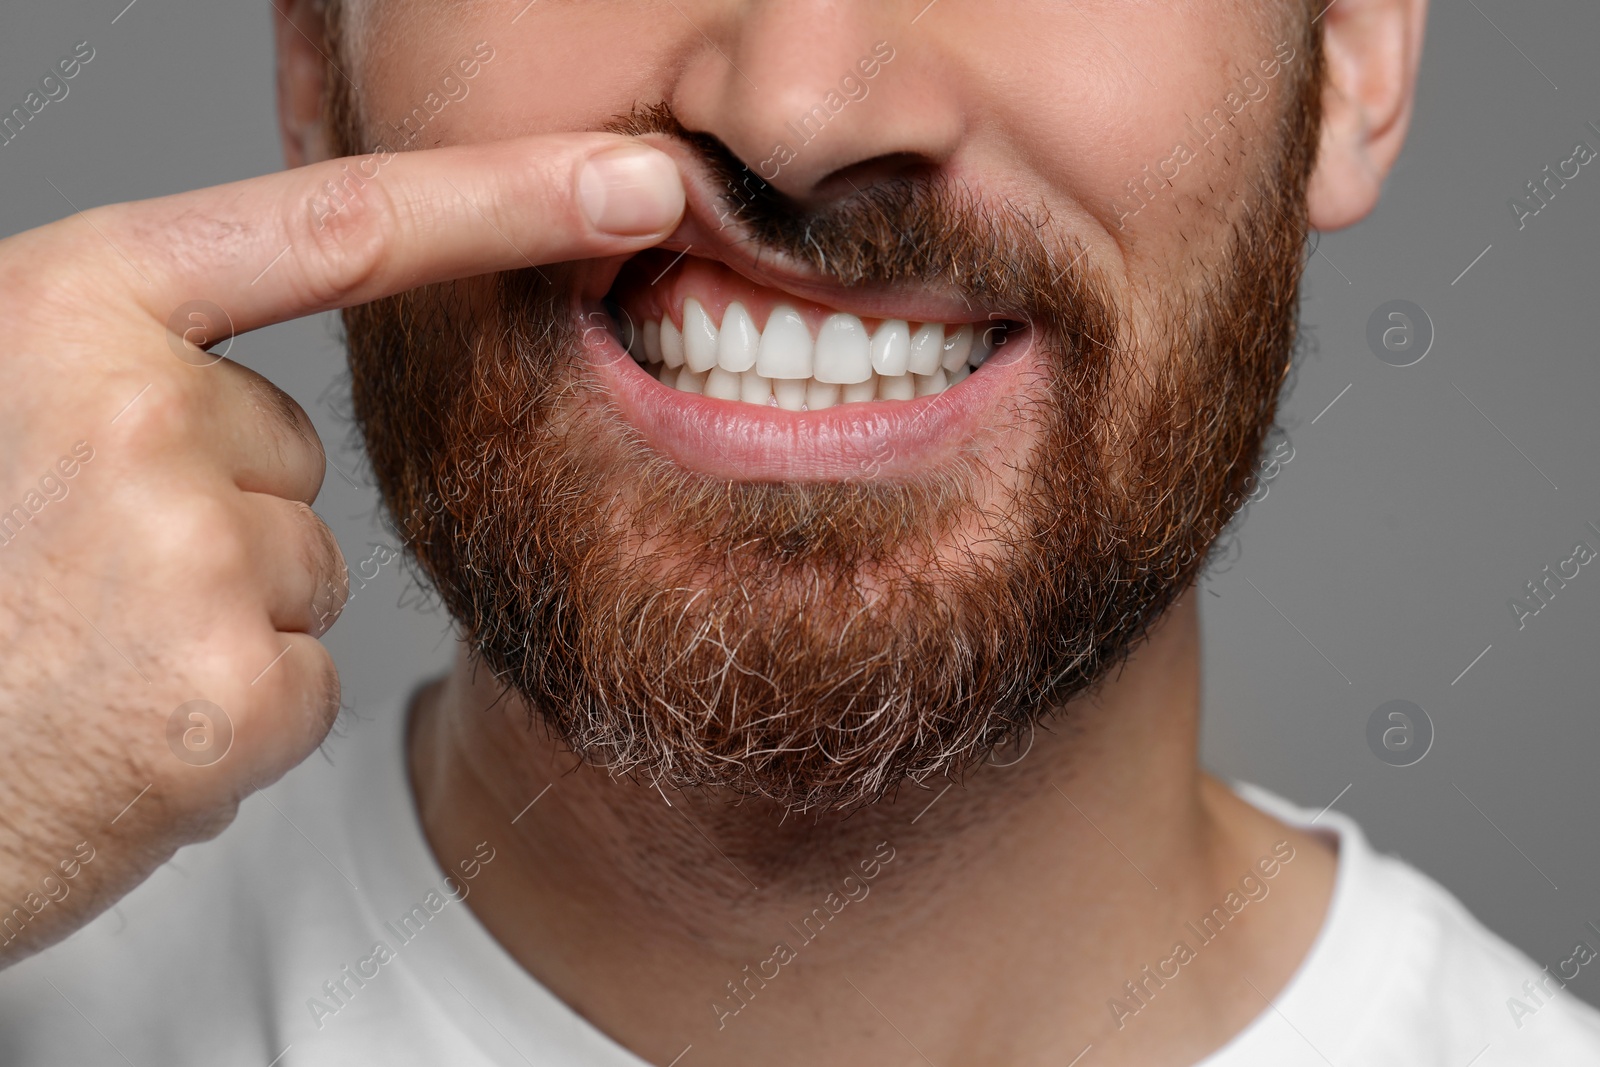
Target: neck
(999, 918)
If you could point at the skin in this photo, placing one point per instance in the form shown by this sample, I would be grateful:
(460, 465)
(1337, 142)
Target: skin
(187, 559)
(638, 907)
(617, 903)
(185, 562)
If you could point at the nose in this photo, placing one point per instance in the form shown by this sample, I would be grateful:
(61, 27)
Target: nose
(821, 97)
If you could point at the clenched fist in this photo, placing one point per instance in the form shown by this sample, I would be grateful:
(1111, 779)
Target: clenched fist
(163, 578)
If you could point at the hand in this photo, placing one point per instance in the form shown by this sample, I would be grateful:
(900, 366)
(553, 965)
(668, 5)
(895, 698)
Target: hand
(163, 579)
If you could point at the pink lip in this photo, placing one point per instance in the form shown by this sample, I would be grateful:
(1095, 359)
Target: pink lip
(878, 439)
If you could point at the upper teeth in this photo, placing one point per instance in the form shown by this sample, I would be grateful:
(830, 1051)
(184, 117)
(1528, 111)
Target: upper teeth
(783, 365)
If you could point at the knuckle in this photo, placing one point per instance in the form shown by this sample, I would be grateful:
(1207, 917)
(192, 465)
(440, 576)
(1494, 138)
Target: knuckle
(302, 691)
(54, 275)
(156, 413)
(326, 695)
(244, 666)
(548, 186)
(31, 266)
(324, 555)
(343, 232)
(299, 447)
(203, 534)
(256, 661)
(326, 563)
(209, 822)
(286, 409)
(54, 257)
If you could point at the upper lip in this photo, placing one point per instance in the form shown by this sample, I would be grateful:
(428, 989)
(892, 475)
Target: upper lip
(709, 231)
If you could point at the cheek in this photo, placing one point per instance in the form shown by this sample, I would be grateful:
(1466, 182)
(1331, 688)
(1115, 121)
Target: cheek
(559, 67)
(1098, 116)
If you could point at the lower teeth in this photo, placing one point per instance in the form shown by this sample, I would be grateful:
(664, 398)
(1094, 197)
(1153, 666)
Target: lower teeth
(801, 394)
(797, 394)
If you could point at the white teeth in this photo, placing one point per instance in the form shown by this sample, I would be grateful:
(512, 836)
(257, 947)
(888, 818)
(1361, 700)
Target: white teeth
(957, 347)
(690, 381)
(737, 340)
(843, 354)
(790, 393)
(820, 395)
(699, 337)
(785, 350)
(927, 348)
(927, 384)
(782, 365)
(860, 392)
(722, 384)
(652, 340)
(897, 387)
(891, 347)
(754, 389)
(671, 344)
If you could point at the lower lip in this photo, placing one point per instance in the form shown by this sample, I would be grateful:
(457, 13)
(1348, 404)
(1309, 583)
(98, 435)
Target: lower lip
(735, 441)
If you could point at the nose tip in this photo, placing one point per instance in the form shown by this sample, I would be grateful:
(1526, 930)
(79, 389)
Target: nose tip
(816, 100)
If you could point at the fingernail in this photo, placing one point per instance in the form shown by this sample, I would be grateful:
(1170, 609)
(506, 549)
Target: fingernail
(631, 190)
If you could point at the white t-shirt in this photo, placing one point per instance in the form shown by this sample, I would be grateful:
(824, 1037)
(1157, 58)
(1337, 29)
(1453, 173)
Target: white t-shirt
(262, 949)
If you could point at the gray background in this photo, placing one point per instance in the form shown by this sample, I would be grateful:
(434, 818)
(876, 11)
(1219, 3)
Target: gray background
(1380, 562)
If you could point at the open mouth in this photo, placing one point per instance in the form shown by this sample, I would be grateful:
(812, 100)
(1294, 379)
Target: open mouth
(697, 327)
(749, 370)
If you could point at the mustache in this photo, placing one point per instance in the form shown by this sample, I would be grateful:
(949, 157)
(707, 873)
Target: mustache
(911, 229)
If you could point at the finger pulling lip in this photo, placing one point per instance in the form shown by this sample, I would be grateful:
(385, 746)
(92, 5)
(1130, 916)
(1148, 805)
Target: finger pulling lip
(906, 414)
(713, 228)
(736, 441)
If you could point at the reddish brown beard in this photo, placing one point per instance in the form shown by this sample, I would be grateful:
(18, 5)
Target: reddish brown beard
(819, 643)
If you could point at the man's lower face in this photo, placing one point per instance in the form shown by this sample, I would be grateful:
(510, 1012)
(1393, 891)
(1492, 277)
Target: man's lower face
(807, 545)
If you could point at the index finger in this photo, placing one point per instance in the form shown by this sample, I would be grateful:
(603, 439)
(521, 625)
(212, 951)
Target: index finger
(347, 231)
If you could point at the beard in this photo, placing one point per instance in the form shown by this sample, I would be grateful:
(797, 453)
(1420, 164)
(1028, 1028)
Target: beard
(819, 643)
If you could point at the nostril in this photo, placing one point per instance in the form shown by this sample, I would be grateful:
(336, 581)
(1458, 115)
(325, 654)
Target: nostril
(857, 177)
